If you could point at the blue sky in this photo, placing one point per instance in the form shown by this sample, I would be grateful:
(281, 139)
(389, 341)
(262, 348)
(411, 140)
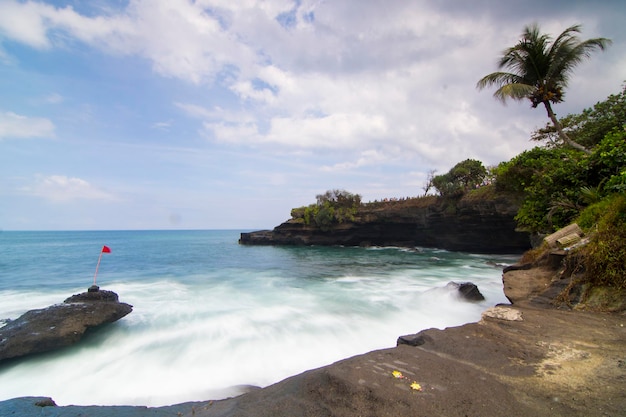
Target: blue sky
(166, 114)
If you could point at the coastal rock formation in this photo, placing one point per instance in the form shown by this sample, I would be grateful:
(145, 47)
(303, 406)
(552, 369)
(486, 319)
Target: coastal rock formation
(60, 325)
(468, 291)
(478, 226)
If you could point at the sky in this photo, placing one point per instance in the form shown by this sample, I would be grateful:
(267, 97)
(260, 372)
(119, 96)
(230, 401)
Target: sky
(207, 114)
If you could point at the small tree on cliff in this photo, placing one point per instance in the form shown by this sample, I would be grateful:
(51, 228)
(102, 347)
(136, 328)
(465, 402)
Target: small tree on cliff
(339, 198)
(428, 184)
(540, 69)
(334, 206)
(462, 177)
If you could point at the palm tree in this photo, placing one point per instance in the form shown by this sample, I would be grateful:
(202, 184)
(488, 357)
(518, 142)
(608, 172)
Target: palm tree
(539, 70)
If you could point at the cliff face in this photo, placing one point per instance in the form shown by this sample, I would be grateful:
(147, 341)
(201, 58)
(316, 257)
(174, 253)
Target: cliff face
(479, 226)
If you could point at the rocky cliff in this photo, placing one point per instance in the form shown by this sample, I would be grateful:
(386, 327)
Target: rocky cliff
(479, 226)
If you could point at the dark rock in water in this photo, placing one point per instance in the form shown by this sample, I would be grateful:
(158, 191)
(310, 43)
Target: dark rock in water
(467, 290)
(60, 325)
(45, 402)
(414, 339)
(98, 295)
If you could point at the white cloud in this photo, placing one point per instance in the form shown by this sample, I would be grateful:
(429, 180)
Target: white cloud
(14, 126)
(60, 188)
(347, 85)
(40, 25)
(192, 41)
(247, 91)
(367, 158)
(25, 22)
(338, 130)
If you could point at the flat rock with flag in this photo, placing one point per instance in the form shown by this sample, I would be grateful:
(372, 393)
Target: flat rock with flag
(60, 325)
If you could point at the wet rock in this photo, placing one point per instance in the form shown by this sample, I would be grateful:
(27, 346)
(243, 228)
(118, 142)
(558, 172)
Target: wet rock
(60, 325)
(45, 402)
(467, 290)
(414, 339)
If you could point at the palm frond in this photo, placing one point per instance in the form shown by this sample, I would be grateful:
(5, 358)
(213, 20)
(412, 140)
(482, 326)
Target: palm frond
(515, 91)
(498, 79)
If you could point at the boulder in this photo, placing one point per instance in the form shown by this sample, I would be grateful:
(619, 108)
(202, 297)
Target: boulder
(468, 291)
(568, 231)
(60, 325)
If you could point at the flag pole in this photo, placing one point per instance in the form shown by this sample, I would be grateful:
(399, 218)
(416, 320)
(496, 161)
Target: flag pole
(97, 266)
(105, 249)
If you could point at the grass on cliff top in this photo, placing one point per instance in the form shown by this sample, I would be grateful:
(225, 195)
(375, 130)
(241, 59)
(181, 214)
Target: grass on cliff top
(488, 192)
(396, 203)
(484, 193)
(605, 254)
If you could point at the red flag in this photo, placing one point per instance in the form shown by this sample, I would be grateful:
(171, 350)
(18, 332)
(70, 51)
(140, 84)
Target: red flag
(105, 249)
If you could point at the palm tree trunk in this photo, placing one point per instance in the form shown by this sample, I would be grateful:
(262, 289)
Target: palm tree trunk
(562, 134)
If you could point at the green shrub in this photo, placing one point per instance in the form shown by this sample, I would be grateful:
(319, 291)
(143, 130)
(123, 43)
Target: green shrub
(334, 206)
(588, 218)
(298, 213)
(607, 164)
(310, 212)
(487, 192)
(464, 176)
(556, 182)
(325, 217)
(605, 254)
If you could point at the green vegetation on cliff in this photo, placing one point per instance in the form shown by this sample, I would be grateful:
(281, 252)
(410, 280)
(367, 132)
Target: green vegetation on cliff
(463, 177)
(605, 255)
(558, 182)
(332, 207)
(559, 185)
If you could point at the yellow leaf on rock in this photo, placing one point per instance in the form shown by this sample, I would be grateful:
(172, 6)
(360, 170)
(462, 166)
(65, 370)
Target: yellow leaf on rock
(397, 374)
(416, 386)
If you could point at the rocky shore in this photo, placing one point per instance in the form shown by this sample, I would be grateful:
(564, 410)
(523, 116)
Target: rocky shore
(528, 358)
(60, 325)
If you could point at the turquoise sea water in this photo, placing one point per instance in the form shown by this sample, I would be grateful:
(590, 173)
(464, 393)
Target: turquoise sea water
(211, 316)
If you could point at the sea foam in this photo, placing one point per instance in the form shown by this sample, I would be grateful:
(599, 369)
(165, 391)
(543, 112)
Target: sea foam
(208, 329)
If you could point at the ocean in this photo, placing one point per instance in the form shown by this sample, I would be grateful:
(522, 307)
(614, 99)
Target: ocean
(212, 317)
